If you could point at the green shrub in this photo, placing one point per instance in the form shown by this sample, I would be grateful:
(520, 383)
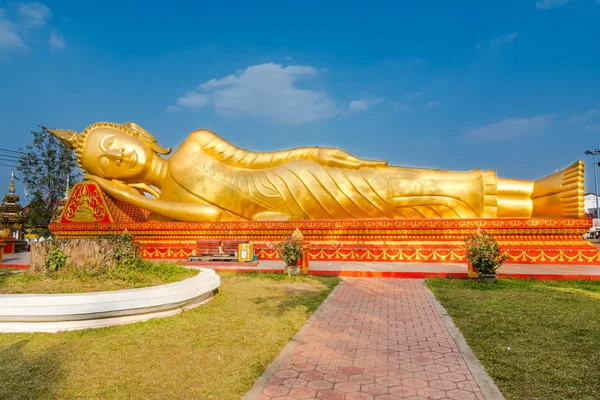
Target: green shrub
(290, 250)
(56, 260)
(483, 253)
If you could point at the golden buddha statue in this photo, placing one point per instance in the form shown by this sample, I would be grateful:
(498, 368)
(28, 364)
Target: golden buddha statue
(210, 179)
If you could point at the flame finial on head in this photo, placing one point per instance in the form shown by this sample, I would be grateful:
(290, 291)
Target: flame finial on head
(68, 137)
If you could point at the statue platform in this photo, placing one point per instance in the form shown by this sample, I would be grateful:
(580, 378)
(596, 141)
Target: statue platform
(90, 212)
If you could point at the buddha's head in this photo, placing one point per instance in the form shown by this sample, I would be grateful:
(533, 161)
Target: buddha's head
(113, 151)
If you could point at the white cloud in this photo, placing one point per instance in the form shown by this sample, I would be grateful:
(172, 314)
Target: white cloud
(510, 128)
(592, 127)
(190, 100)
(56, 41)
(33, 14)
(364, 104)
(432, 104)
(267, 91)
(401, 107)
(546, 4)
(413, 95)
(504, 39)
(25, 19)
(9, 38)
(586, 116)
(193, 100)
(589, 119)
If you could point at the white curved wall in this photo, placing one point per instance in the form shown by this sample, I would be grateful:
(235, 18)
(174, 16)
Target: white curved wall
(60, 312)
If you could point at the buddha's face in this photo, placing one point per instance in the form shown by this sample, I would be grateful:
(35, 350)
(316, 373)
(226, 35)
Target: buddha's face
(112, 154)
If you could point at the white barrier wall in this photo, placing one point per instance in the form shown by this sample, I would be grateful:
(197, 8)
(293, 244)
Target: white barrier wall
(61, 312)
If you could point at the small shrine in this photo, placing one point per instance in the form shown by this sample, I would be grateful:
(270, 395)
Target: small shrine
(11, 220)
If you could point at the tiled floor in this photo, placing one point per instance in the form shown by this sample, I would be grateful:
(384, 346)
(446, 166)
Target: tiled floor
(376, 339)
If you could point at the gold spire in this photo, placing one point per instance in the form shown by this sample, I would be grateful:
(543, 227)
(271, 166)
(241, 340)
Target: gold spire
(67, 189)
(11, 188)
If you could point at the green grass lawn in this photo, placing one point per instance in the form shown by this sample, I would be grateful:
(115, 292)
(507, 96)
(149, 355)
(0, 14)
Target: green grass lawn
(140, 274)
(536, 339)
(215, 351)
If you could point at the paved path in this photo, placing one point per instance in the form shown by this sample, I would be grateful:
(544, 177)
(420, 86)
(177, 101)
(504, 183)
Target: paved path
(16, 258)
(374, 339)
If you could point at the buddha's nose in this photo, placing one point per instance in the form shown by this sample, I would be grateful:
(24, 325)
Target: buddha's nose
(115, 154)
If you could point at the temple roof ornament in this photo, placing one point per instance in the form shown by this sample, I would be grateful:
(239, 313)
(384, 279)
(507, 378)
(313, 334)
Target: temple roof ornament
(10, 211)
(10, 202)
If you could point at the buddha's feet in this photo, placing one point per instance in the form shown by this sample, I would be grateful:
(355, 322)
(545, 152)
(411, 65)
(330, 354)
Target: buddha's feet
(560, 195)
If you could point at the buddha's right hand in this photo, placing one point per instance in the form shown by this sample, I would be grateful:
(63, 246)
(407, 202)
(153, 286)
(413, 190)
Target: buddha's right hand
(334, 157)
(116, 189)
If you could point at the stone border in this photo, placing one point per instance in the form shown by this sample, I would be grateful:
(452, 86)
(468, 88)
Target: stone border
(62, 312)
(486, 384)
(261, 383)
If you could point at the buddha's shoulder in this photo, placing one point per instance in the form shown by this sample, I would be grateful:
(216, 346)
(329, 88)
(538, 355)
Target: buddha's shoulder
(202, 136)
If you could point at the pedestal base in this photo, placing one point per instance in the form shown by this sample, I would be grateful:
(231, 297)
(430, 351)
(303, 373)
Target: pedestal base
(524, 240)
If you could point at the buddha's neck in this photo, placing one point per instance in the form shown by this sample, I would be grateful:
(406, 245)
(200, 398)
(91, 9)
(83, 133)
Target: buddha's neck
(157, 172)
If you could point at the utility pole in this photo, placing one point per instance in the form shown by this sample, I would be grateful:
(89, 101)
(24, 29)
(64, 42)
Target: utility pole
(594, 154)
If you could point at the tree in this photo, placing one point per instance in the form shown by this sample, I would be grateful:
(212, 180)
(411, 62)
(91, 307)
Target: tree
(45, 168)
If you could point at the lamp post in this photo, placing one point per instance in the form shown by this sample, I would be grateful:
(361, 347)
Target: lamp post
(594, 154)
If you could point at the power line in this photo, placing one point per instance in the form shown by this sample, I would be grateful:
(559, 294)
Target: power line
(7, 159)
(9, 155)
(6, 165)
(13, 151)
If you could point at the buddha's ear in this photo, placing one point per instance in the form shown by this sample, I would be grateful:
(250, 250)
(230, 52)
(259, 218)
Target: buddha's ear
(147, 138)
(68, 137)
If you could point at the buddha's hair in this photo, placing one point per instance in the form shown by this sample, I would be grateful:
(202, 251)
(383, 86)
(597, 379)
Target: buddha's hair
(77, 141)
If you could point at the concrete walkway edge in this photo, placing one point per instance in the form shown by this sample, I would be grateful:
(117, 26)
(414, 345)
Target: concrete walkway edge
(486, 384)
(263, 380)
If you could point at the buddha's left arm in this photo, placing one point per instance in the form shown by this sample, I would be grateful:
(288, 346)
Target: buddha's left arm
(221, 149)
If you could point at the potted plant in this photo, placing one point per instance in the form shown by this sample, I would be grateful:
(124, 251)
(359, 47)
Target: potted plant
(484, 255)
(290, 251)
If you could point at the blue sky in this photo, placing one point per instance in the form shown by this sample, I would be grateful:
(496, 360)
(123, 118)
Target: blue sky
(451, 85)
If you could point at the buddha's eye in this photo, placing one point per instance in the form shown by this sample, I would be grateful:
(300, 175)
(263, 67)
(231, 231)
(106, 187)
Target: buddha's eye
(107, 142)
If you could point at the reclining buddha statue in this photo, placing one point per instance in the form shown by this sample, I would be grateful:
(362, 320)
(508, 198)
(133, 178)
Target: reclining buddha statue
(210, 179)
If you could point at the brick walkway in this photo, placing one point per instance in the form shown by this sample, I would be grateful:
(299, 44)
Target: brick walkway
(376, 339)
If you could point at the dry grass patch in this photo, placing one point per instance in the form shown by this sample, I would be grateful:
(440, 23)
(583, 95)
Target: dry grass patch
(212, 352)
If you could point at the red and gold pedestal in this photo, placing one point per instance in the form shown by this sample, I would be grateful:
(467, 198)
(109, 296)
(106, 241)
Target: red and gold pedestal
(90, 212)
